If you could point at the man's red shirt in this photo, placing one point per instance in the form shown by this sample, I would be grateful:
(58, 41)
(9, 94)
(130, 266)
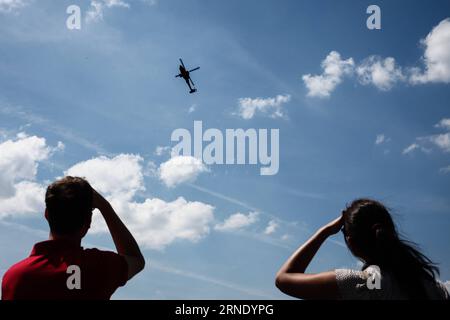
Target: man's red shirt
(43, 275)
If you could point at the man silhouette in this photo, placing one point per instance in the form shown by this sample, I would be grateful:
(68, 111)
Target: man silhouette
(46, 273)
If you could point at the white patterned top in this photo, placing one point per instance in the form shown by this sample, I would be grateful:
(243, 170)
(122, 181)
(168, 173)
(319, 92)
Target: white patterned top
(370, 284)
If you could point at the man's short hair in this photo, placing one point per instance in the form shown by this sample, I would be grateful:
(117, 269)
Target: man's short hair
(69, 205)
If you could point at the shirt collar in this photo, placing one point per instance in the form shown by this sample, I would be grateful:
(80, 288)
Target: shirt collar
(52, 246)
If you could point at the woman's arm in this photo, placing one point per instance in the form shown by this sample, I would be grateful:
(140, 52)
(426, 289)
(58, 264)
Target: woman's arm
(291, 278)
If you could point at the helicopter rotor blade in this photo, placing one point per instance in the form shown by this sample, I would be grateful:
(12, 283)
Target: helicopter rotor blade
(194, 69)
(182, 63)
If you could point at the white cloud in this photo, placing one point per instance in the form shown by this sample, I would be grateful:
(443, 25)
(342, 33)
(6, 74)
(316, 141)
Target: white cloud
(20, 157)
(95, 13)
(161, 150)
(445, 170)
(28, 199)
(12, 5)
(444, 124)
(192, 108)
(285, 237)
(380, 139)
(157, 223)
(154, 222)
(60, 146)
(180, 169)
(410, 148)
(425, 144)
(19, 161)
(120, 176)
(151, 169)
(272, 226)
(382, 73)
(442, 141)
(150, 2)
(237, 221)
(273, 107)
(334, 69)
(116, 3)
(436, 57)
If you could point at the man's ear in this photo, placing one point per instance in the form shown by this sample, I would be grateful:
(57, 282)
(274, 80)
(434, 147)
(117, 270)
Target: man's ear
(46, 214)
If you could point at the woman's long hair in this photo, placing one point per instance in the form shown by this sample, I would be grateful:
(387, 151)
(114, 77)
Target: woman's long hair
(374, 237)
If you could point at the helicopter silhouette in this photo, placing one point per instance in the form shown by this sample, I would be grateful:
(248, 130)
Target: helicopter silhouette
(185, 75)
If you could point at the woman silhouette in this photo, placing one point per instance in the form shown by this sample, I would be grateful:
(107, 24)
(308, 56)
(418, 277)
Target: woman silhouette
(393, 267)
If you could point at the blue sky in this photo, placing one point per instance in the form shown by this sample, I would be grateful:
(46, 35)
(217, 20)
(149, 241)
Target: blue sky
(108, 90)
